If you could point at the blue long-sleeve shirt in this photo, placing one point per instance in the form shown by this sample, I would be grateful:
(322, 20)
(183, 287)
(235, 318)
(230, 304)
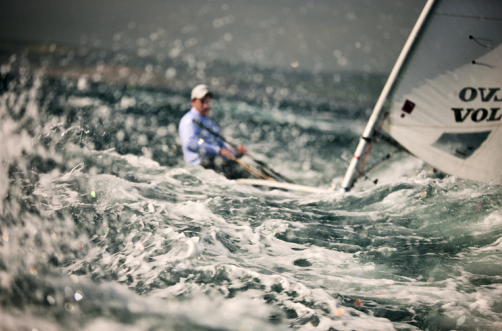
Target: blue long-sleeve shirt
(197, 143)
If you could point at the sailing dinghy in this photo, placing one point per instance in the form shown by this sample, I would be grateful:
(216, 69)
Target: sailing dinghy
(442, 101)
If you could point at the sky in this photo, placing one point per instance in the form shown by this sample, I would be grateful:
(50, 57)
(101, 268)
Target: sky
(320, 35)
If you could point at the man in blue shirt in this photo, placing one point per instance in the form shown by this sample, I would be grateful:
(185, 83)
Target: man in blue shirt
(202, 147)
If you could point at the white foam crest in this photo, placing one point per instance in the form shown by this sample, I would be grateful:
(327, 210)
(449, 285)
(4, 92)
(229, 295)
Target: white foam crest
(490, 224)
(197, 211)
(288, 292)
(83, 102)
(272, 226)
(354, 320)
(177, 171)
(13, 140)
(182, 249)
(140, 161)
(245, 311)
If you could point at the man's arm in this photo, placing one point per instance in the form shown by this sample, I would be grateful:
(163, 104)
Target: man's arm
(229, 153)
(225, 152)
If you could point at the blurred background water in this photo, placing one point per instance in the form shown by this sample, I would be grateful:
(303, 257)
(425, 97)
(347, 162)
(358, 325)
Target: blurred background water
(104, 228)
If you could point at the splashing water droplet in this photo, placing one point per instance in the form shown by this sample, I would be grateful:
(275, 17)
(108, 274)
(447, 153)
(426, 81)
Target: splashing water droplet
(107, 258)
(74, 278)
(461, 320)
(69, 307)
(339, 312)
(68, 291)
(51, 300)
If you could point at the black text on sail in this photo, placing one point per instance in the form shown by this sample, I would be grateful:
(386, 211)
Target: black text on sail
(469, 94)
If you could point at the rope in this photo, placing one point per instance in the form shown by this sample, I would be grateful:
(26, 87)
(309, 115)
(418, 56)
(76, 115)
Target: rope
(252, 170)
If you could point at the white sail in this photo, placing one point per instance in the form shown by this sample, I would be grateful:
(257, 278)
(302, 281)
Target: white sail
(446, 107)
(443, 98)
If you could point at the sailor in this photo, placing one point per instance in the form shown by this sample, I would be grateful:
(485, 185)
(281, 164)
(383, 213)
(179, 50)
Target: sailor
(201, 142)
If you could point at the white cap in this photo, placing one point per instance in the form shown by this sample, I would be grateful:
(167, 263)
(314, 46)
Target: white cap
(200, 91)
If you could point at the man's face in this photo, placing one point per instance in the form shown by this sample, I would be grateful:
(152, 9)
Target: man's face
(203, 106)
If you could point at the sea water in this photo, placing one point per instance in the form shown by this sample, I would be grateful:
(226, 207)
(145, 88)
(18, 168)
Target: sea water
(104, 228)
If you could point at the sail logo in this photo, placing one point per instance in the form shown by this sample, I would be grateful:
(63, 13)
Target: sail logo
(469, 94)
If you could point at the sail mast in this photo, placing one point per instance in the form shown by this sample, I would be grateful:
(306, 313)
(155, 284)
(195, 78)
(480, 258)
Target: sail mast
(376, 116)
